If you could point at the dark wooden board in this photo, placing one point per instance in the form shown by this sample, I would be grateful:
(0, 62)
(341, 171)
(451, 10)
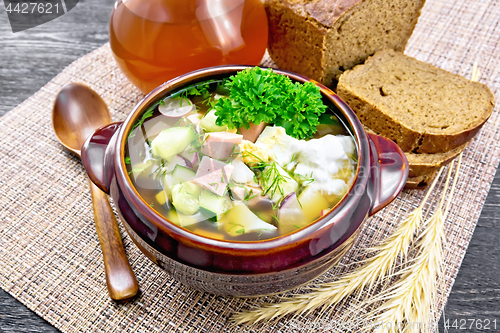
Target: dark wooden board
(29, 59)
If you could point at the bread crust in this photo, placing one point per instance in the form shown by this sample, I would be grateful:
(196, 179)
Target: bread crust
(287, 28)
(322, 38)
(366, 101)
(420, 164)
(420, 182)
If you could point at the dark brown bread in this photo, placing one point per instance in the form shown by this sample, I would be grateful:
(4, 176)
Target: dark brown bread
(422, 108)
(421, 164)
(420, 182)
(426, 163)
(322, 38)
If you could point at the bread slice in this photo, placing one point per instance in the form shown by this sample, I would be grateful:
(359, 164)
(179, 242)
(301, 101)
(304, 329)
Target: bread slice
(421, 164)
(426, 163)
(422, 108)
(322, 38)
(420, 182)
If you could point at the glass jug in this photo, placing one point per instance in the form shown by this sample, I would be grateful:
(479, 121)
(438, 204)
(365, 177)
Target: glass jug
(154, 41)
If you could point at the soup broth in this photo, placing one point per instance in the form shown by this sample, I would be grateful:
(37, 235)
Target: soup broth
(213, 182)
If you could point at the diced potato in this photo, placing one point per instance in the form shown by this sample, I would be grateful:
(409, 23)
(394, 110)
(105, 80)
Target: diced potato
(173, 217)
(312, 202)
(346, 172)
(291, 216)
(161, 197)
(332, 199)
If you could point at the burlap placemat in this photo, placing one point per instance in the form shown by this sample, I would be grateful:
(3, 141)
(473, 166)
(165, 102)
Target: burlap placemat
(49, 253)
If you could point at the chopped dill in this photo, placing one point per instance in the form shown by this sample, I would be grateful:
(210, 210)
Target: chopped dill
(216, 185)
(232, 155)
(146, 115)
(273, 179)
(232, 224)
(262, 231)
(136, 170)
(196, 89)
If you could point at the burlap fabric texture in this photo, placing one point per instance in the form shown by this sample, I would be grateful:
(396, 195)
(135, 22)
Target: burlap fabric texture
(50, 258)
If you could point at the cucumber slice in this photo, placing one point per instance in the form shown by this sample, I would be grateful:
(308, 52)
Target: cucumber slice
(208, 123)
(185, 197)
(240, 220)
(214, 206)
(172, 141)
(182, 174)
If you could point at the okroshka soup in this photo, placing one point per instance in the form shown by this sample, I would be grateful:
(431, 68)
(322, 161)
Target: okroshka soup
(247, 158)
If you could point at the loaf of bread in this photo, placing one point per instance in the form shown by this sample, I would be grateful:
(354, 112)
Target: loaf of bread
(322, 38)
(422, 108)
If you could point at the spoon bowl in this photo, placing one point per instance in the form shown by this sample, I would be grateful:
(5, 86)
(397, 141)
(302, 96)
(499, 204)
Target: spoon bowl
(78, 111)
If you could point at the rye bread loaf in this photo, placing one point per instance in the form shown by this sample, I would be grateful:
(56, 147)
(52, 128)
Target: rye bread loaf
(422, 108)
(322, 38)
(421, 164)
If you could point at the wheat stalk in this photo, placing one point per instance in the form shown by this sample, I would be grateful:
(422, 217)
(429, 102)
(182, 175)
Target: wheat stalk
(408, 303)
(409, 300)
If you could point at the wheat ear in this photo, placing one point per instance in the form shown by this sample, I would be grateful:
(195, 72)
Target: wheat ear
(409, 301)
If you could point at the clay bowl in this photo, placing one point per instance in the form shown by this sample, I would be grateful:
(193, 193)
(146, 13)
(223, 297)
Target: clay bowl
(246, 268)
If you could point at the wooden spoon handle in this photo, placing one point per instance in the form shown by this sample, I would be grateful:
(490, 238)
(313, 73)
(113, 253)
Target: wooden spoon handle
(120, 278)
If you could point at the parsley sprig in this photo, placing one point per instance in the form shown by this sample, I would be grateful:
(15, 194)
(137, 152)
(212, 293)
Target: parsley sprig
(261, 95)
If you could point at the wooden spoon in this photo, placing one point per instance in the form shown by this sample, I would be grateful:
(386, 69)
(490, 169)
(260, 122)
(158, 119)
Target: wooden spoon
(78, 111)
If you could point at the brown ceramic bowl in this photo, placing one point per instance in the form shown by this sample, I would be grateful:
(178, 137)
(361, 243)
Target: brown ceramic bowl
(246, 268)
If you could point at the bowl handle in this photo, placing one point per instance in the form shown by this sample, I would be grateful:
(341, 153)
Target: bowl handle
(97, 155)
(389, 171)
